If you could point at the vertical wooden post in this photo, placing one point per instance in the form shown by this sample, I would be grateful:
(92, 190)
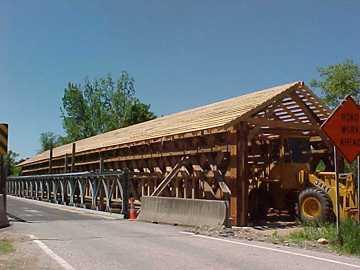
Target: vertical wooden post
(125, 198)
(177, 188)
(243, 172)
(101, 163)
(73, 157)
(192, 187)
(50, 160)
(142, 188)
(237, 174)
(231, 176)
(65, 163)
(185, 187)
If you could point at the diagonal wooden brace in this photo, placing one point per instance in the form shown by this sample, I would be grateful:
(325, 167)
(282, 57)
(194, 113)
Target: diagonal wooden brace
(161, 187)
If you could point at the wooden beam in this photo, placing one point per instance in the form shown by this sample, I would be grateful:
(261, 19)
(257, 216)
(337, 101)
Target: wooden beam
(101, 163)
(261, 107)
(280, 124)
(286, 132)
(312, 117)
(73, 157)
(237, 174)
(50, 160)
(65, 163)
(172, 175)
(243, 170)
(319, 103)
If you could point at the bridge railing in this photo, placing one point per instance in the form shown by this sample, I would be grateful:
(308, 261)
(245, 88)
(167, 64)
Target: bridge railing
(99, 191)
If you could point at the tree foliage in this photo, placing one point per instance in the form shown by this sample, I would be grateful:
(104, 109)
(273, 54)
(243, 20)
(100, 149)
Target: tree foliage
(337, 81)
(10, 162)
(101, 105)
(49, 140)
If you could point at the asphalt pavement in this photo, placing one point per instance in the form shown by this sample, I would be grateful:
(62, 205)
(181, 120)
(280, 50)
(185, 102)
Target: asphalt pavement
(84, 241)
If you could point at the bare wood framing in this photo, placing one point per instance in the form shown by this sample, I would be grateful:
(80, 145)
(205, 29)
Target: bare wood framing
(280, 124)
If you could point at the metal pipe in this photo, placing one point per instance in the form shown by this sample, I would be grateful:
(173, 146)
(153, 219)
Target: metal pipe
(337, 193)
(358, 185)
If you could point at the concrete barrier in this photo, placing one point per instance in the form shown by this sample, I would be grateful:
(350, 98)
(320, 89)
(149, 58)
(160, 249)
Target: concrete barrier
(179, 211)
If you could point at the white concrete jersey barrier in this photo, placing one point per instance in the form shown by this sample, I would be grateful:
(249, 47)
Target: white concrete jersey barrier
(191, 212)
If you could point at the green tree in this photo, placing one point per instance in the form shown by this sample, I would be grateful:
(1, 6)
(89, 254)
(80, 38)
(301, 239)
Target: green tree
(138, 112)
(49, 140)
(11, 161)
(101, 105)
(337, 81)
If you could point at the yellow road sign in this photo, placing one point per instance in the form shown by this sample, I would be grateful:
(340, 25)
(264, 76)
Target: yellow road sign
(3, 139)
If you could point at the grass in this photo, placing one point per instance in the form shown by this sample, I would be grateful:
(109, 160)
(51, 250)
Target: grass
(348, 241)
(276, 238)
(6, 247)
(350, 238)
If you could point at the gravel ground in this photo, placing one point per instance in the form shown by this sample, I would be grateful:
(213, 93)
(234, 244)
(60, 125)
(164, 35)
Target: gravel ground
(270, 232)
(26, 255)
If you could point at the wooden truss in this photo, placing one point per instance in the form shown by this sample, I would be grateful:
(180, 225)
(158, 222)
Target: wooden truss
(236, 152)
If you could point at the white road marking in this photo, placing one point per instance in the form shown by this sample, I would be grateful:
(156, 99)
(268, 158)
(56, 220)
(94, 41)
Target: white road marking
(65, 265)
(273, 249)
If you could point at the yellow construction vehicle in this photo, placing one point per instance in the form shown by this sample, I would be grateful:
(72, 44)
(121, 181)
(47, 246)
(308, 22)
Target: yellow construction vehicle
(318, 200)
(291, 182)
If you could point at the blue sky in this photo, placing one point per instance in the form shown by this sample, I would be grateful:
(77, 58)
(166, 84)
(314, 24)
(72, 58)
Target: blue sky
(181, 53)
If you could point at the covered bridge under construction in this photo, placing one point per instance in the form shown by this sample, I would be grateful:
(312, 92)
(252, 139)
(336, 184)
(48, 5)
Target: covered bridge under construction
(227, 143)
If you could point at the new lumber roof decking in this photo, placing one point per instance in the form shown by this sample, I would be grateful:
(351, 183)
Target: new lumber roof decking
(209, 118)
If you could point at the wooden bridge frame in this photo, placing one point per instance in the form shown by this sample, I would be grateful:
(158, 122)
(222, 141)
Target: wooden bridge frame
(234, 150)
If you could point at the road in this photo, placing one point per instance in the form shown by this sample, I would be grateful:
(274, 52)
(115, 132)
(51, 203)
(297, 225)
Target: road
(84, 241)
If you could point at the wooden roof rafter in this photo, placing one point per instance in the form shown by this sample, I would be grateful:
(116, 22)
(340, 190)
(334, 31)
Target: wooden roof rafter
(298, 110)
(292, 106)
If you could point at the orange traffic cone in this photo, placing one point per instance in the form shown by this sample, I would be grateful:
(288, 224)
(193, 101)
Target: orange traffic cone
(132, 210)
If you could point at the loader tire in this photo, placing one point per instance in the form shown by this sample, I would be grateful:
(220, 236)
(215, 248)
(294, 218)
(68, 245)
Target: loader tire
(314, 205)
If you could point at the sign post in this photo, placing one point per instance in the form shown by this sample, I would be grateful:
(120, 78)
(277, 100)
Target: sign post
(358, 185)
(3, 174)
(337, 192)
(343, 129)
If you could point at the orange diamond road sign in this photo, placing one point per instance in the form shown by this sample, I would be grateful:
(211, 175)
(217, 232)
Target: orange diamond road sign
(343, 128)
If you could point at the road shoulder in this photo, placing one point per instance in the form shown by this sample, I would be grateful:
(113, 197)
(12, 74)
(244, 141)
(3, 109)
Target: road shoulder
(24, 253)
